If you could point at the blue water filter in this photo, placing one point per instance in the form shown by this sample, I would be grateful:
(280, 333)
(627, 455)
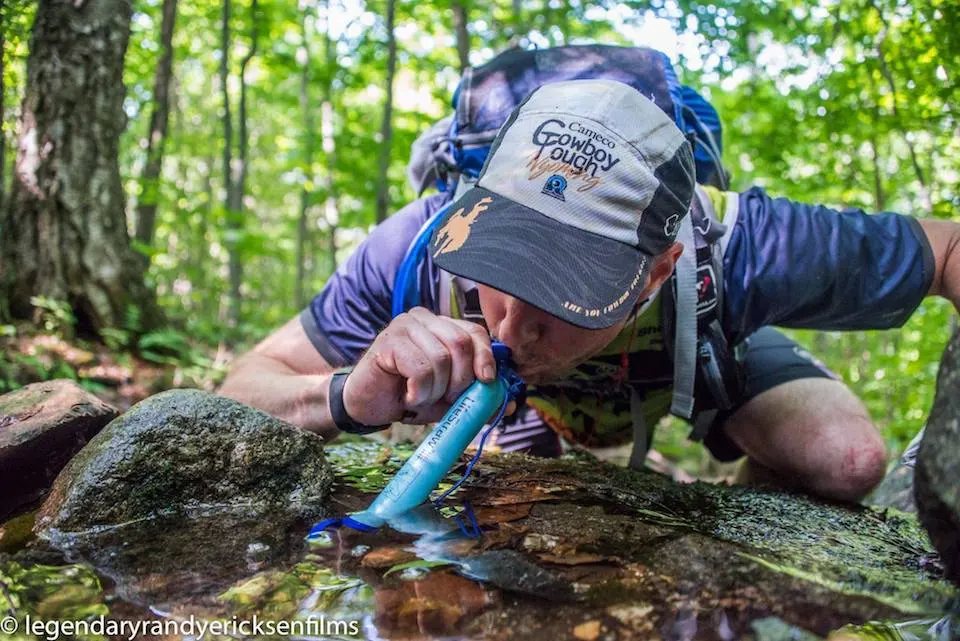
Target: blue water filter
(437, 454)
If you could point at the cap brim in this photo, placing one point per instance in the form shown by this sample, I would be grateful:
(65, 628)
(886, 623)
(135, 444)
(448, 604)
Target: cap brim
(585, 279)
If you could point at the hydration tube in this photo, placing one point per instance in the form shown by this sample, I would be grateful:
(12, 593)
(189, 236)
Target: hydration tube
(440, 450)
(406, 290)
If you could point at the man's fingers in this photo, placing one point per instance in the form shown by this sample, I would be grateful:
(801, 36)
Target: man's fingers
(460, 346)
(484, 365)
(439, 361)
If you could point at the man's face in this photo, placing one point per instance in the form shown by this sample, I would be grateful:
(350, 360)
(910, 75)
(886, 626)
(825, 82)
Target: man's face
(544, 347)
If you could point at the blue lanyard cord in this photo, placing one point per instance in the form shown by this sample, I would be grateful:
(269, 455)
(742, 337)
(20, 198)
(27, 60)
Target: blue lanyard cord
(516, 390)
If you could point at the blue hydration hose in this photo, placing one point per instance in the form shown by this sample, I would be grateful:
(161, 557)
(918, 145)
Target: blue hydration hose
(441, 449)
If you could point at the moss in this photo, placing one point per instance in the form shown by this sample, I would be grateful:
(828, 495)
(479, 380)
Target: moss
(857, 551)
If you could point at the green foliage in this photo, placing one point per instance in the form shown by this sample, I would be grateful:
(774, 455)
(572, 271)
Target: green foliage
(56, 317)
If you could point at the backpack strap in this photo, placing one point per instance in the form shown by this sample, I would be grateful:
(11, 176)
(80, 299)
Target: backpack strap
(685, 323)
(707, 372)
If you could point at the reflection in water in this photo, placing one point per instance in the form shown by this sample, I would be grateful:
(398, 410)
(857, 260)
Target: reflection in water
(944, 629)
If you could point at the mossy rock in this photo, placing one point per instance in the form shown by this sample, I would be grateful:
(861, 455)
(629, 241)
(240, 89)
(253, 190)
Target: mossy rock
(188, 449)
(937, 483)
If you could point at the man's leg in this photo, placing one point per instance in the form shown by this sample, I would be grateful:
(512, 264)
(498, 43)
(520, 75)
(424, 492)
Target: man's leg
(802, 424)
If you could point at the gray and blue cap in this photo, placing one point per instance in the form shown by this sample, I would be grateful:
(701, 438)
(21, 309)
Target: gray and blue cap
(585, 184)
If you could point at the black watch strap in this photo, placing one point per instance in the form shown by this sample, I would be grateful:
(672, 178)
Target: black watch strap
(338, 411)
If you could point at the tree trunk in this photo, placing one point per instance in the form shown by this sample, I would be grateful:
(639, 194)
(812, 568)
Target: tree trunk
(150, 180)
(386, 127)
(307, 187)
(879, 199)
(65, 235)
(3, 136)
(331, 207)
(228, 182)
(460, 21)
(235, 214)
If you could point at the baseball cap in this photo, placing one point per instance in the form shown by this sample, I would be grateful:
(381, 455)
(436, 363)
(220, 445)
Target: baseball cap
(586, 182)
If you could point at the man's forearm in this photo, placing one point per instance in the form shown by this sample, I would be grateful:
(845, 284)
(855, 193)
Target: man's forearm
(944, 237)
(273, 387)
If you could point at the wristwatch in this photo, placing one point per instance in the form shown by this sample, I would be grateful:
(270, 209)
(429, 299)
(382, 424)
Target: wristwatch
(338, 411)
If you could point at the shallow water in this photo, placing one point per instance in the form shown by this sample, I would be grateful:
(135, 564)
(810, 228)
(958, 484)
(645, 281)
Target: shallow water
(547, 563)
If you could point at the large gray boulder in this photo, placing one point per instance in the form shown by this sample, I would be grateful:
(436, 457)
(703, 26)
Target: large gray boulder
(937, 483)
(41, 427)
(187, 450)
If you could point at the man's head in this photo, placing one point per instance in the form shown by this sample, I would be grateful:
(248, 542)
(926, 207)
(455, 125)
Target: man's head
(572, 220)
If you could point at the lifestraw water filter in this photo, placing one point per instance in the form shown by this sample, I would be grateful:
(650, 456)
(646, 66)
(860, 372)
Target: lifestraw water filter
(441, 449)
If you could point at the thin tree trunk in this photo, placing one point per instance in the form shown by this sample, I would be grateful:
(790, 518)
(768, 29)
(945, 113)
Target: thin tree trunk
(228, 144)
(200, 237)
(65, 235)
(386, 126)
(3, 91)
(331, 206)
(460, 20)
(235, 214)
(150, 180)
(879, 199)
(307, 188)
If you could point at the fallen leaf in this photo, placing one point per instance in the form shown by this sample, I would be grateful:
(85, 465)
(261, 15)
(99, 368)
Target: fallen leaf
(418, 563)
(386, 557)
(588, 631)
(502, 513)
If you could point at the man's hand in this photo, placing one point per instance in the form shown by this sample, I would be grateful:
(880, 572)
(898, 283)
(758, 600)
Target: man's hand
(416, 368)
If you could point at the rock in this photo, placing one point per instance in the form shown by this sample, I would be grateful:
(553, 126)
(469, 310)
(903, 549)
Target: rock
(938, 464)
(41, 427)
(187, 450)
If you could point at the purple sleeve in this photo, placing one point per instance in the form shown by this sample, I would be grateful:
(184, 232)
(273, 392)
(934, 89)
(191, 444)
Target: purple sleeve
(354, 306)
(807, 266)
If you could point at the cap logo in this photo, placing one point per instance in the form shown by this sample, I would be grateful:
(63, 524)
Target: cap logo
(455, 232)
(555, 186)
(671, 226)
(574, 150)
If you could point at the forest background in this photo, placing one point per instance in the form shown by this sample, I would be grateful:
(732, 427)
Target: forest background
(261, 140)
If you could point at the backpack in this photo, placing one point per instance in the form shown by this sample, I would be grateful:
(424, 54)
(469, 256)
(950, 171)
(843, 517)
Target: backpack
(450, 155)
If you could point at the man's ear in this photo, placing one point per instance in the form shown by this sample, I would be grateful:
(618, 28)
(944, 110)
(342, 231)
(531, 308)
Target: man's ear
(663, 266)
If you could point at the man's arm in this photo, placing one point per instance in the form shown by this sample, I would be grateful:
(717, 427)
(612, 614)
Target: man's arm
(285, 376)
(808, 266)
(944, 238)
(414, 370)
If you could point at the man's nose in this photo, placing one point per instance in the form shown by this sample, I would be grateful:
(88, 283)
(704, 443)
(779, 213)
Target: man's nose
(521, 326)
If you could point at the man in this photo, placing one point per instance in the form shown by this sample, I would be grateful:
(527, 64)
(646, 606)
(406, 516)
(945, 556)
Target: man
(563, 255)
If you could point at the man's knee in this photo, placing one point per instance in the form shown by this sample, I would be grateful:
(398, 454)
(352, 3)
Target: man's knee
(857, 463)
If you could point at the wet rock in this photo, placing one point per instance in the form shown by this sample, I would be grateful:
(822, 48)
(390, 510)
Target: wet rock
(41, 427)
(938, 464)
(189, 450)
